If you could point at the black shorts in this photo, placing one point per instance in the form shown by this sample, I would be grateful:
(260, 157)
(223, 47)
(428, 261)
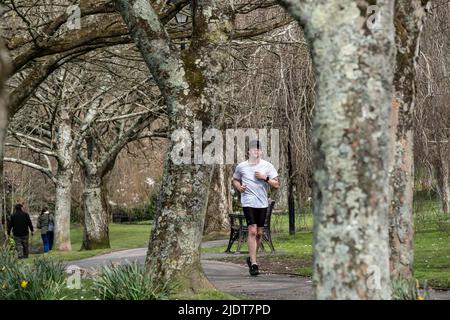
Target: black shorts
(255, 216)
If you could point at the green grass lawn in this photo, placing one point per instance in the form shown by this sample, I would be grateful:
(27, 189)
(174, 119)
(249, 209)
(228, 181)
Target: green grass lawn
(432, 258)
(432, 243)
(122, 236)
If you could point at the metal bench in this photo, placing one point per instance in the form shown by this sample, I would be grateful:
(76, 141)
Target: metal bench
(239, 230)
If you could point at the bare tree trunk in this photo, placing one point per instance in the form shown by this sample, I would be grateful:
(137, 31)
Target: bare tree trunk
(408, 16)
(443, 175)
(66, 160)
(3, 233)
(62, 209)
(96, 230)
(4, 73)
(354, 71)
(219, 202)
(104, 197)
(193, 92)
(280, 195)
(290, 182)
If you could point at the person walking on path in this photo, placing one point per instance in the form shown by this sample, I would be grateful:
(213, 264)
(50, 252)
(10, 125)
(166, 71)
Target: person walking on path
(19, 224)
(252, 179)
(46, 222)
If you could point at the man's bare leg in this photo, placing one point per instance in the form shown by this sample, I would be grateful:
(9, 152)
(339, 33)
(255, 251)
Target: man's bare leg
(252, 242)
(259, 236)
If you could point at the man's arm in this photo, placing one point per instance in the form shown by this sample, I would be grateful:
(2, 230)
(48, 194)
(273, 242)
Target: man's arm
(236, 180)
(237, 184)
(30, 225)
(9, 225)
(274, 183)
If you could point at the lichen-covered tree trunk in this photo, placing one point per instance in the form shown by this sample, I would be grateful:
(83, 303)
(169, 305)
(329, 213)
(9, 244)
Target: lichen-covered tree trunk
(66, 160)
(192, 89)
(174, 248)
(96, 229)
(219, 202)
(62, 210)
(354, 72)
(4, 73)
(105, 202)
(408, 21)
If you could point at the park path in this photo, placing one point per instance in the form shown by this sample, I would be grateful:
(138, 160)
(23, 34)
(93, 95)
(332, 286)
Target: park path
(229, 277)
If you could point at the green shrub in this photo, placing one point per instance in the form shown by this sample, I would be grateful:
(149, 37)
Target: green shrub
(143, 212)
(151, 206)
(43, 279)
(408, 289)
(8, 259)
(129, 281)
(76, 214)
(8, 245)
(50, 269)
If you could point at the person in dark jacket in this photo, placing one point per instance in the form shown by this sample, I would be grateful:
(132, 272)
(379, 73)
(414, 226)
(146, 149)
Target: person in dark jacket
(19, 224)
(46, 222)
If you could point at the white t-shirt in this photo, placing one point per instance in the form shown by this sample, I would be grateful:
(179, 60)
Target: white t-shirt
(255, 196)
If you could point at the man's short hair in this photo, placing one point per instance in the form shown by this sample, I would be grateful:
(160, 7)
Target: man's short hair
(254, 144)
(19, 207)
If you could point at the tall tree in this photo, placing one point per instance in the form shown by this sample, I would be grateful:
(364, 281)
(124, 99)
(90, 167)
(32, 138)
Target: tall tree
(191, 86)
(4, 73)
(354, 72)
(53, 129)
(432, 118)
(408, 26)
(219, 201)
(97, 160)
(79, 101)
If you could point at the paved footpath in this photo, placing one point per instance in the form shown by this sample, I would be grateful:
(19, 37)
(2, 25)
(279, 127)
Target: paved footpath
(229, 277)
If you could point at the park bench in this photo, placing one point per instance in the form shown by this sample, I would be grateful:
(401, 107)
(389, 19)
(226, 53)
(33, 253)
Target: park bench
(120, 217)
(239, 230)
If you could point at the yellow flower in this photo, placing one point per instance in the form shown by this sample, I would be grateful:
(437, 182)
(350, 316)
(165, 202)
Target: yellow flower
(420, 298)
(4, 286)
(24, 284)
(3, 268)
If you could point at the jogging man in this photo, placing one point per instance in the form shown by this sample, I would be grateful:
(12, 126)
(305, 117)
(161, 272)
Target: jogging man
(252, 179)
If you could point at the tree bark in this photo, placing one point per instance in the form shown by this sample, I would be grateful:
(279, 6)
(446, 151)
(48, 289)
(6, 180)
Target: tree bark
(408, 24)
(219, 202)
(193, 92)
(97, 163)
(4, 74)
(443, 175)
(3, 233)
(96, 229)
(66, 159)
(62, 209)
(291, 202)
(280, 195)
(354, 72)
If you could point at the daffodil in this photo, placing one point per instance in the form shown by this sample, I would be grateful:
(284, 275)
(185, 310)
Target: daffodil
(420, 298)
(4, 286)
(24, 284)
(3, 268)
